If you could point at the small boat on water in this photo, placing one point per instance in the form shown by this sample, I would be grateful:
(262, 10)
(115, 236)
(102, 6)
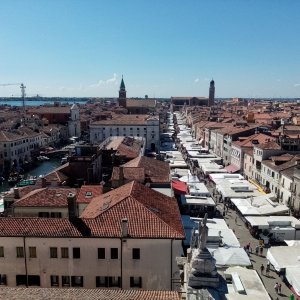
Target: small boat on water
(64, 160)
(28, 181)
(42, 157)
(14, 178)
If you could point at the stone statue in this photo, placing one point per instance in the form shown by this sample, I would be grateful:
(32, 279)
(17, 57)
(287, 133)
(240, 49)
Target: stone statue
(203, 233)
(193, 239)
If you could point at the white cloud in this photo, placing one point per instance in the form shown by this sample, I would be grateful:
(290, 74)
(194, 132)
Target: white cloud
(196, 80)
(112, 80)
(296, 84)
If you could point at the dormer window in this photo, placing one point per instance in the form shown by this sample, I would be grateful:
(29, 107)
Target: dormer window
(88, 194)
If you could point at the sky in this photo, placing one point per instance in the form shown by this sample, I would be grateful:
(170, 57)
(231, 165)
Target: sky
(163, 48)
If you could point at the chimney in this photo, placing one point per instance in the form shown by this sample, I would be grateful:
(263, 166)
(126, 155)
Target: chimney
(124, 228)
(121, 175)
(44, 182)
(72, 207)
(16, 193)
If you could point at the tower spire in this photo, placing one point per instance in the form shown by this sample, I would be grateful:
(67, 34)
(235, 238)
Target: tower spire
(122, 94)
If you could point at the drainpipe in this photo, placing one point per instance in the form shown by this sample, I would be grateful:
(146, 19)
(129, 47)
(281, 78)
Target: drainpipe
(124, 234)
(171, 282)
(25, 261)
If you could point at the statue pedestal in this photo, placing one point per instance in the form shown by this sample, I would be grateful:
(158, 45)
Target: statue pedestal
(203, 272)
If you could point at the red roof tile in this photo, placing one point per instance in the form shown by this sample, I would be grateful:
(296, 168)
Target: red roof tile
(150, 215)
(7, 293)
(148, 212)
(88, 192)
(155, 171)
(46, 197)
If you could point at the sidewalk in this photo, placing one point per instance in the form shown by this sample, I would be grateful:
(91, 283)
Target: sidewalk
(244, 237)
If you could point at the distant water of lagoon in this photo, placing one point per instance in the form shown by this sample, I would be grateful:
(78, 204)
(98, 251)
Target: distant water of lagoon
(39, 102)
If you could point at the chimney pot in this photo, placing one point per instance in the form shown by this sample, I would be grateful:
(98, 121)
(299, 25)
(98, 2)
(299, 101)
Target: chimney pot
(72, 207)
(124, 228)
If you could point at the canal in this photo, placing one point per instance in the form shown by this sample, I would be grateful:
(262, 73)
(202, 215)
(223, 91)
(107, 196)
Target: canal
(42, 168)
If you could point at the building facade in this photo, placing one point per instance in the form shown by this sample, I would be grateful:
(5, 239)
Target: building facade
(128, 125)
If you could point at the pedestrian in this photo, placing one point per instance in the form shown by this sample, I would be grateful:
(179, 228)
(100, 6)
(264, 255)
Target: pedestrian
(279, 288)
(276, 287)
(235, 220)
(261, 250)
(268, 270)
(262, 269)
(256, 250)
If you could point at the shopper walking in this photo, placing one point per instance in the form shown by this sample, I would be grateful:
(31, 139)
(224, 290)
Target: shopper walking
(276, 287)
(256, 250)
(261, 250)
(262, 269)
(279, 288)
(268, 270)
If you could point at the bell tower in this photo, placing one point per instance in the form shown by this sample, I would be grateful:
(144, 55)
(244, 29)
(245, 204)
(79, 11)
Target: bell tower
(211, 98)
(122, 94)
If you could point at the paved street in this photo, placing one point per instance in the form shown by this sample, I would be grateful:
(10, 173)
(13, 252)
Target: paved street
(244, 237)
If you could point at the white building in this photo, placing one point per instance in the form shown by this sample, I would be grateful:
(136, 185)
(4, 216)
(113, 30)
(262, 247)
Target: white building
(126, 238)
(74, 122)
(127, 125)
(16, 147)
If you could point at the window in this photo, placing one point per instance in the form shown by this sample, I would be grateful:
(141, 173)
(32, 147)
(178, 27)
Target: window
(136, 253)
(34, 280)
(136, 282)
(56, 215)
(64, 252)
(53, 252)
(101, 253)
(43, 214)
(114, 281)
(3, 280)
(65, 280)
(21, 280)
(1, 251)
(114, 253)
(101, 281)
(54, 280)
(32, 252)
(77, 281)
(76, 252)
(20, 252)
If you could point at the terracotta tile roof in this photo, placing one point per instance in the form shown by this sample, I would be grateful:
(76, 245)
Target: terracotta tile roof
(50, 110)
(123, 120)
(6, 136)
(259, 138)
(269, 146)
(88, 192)
(140, 103)
(129, 174)
(154, 170)
(56, 176)
(149, 213)
(125, 146)
(38, 227)
(46, 197)
(7, 293)
(128, 151)
(286, 165)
